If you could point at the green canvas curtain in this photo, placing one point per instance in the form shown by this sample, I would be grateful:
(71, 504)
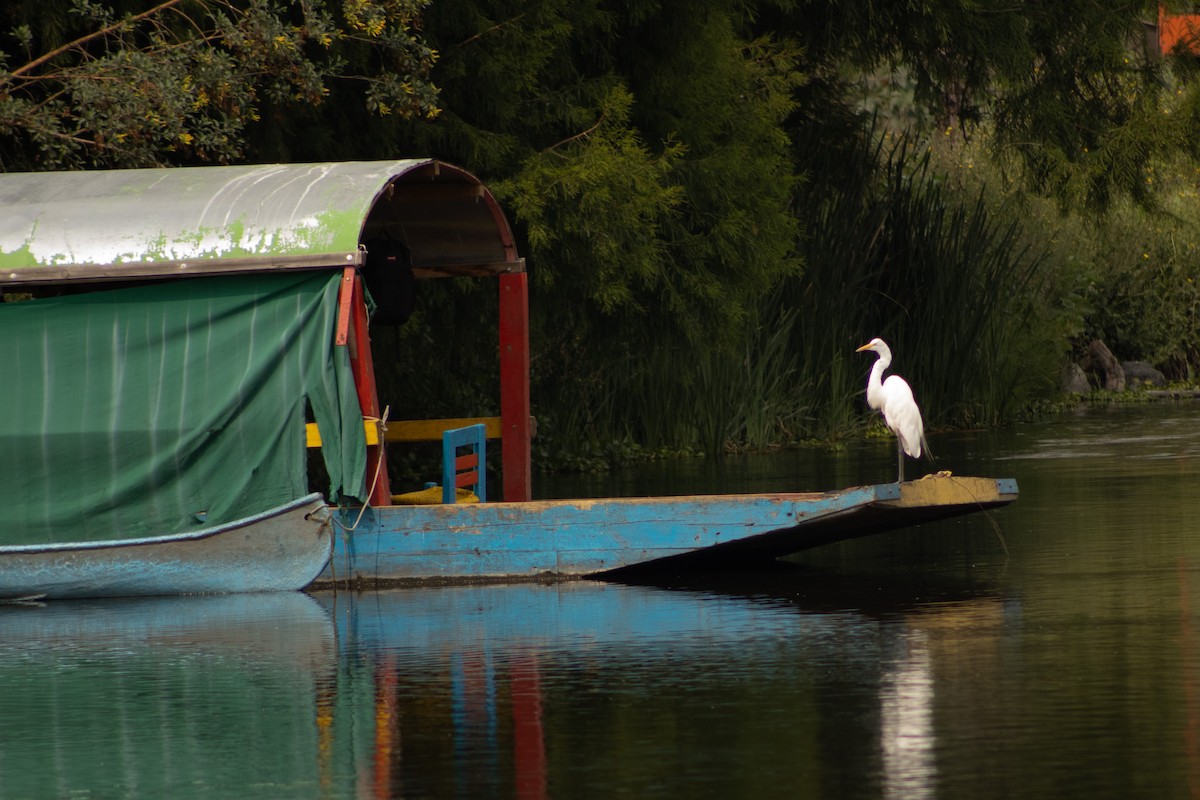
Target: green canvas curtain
(170, 407)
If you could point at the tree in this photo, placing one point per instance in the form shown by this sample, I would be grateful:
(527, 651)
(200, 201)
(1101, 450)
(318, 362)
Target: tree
(1072, 93)
(129, 84)
(641, 150)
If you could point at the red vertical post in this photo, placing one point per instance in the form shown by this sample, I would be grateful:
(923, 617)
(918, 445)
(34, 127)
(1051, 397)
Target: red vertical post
(514, 386)
(377, 481)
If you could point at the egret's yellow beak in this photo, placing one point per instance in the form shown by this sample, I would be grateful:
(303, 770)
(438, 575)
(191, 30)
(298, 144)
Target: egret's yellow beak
(864, 347)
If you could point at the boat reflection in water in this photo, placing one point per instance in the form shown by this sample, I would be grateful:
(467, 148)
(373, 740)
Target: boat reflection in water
(544, 690)
(520, 690)
(162, 697)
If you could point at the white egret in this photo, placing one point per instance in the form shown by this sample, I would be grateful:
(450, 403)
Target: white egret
(894, 399)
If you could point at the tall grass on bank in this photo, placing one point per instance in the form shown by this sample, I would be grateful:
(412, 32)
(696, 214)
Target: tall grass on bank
(950, 283)
(743, 396)
(665, 398)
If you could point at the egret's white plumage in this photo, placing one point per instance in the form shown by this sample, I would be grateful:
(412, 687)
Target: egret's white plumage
(894, 399)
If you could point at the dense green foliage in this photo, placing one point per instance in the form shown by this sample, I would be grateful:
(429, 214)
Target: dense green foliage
(127, 84)
(712, 223)
(1143, 268)
(1071, 93)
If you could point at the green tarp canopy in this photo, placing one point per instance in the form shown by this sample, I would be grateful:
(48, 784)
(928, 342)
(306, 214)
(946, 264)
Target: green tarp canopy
(171, 406)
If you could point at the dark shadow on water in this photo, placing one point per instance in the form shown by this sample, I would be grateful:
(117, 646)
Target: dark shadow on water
(814, 589)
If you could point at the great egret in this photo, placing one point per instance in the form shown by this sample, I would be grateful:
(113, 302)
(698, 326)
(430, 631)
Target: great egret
(894, 399)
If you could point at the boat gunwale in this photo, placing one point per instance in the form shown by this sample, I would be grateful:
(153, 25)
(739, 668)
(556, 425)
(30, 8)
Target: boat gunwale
(185, 536)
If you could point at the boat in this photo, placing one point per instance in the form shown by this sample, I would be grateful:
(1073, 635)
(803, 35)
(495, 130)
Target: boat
(179, 342)
(282, 549)
(619, 537)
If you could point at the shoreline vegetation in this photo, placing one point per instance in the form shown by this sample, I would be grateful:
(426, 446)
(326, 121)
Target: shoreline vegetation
(617, 455)
(984, 298)
(986, 295)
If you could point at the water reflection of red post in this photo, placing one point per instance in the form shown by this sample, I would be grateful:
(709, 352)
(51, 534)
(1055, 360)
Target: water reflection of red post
(326, 701)
(387, 728)
(528, 742)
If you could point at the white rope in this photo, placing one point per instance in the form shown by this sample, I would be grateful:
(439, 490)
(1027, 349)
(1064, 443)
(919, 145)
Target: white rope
(374, 480)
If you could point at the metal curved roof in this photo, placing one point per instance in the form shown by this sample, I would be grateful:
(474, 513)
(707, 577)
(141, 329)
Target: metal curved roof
(158, 223)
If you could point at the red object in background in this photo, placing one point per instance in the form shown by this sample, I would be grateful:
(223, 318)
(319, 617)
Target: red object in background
(1180, 31)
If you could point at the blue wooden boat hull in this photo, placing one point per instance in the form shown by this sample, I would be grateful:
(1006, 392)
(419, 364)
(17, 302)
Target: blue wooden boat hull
(577, 538)
(281, 549)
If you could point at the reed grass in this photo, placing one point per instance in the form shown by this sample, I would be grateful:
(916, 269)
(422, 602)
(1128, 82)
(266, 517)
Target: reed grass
(744, 398)
(951, 284)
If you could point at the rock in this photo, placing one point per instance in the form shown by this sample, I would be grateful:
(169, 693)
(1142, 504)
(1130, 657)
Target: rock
(1075, 380)
(1140, 372)
(1098, 359)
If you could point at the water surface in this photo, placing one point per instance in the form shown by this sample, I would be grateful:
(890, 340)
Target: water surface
(1050, 649)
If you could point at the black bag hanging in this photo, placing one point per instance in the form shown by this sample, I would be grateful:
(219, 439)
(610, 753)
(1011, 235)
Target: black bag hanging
(389, 278)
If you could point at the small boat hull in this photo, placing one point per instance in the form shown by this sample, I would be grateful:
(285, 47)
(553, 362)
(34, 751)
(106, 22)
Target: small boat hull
(606, 536)
(278, 550)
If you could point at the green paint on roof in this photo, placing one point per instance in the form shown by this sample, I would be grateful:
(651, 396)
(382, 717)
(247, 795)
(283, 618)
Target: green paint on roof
(171, 216)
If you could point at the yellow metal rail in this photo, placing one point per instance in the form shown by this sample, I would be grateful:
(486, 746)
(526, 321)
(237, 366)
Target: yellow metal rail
(414, 430)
